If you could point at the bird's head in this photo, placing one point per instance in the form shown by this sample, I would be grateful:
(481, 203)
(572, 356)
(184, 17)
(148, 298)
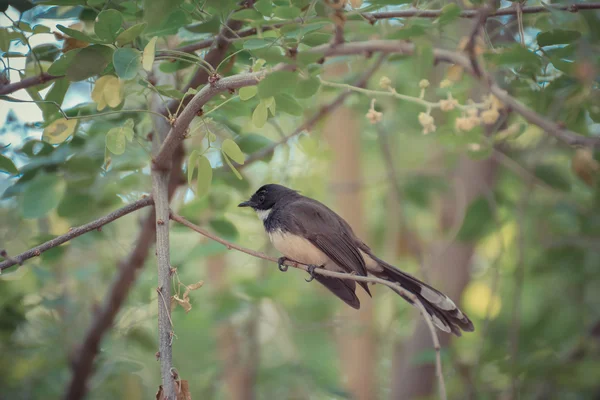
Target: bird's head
(267, 196)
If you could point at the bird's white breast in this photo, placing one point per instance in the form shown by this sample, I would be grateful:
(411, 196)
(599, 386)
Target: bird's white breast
(297, 248)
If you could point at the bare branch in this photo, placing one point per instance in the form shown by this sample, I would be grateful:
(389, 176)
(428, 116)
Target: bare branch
(321, 271)
(165, 331)
(74, 232)
(27, 83)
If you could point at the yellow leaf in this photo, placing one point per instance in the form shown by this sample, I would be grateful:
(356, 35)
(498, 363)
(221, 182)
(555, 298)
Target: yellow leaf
(98, 92)
(59, 130)
(113, 92)
(108, 90)
(148, 55)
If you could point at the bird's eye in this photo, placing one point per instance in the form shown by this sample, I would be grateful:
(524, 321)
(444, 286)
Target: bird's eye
(261, 198)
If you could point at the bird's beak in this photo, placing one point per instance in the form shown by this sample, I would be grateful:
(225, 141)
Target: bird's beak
(245, 204)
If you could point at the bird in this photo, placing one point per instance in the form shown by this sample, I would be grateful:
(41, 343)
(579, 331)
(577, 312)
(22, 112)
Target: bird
(306, 231)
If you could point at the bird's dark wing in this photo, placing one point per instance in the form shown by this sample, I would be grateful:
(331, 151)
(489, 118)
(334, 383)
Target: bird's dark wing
(330, 234)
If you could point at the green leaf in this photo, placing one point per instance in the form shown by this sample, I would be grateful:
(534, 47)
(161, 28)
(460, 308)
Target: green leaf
(260, 115)
(75, 34)
(288, 104)
(6, 165)
(515, 55)
(316, 39)
(88, 62)
(42, 195)
(449, 14)
(287, 12)
(277, 82)
(210, 26)
(248, 92)
(247, 14)
(553, 177)
(148, 54)
(205, 174)
(299, 30)
(228, 162)
(191, 165)
(557, 36)
(56, 94)
(233, 151)
(108, 25)
(307, 87)
(265, 7)
(170, 26)
(117, 136)
(5, 39)
(59, 67)
(478, 220)
(253, 44)
(224, 228)
(127, 63)
(130, 34)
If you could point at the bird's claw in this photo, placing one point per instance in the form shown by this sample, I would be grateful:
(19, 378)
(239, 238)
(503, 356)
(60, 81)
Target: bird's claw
(281, 263)
(311, 271)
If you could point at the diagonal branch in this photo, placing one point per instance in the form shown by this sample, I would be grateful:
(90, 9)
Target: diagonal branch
(321, 271)
(27, 83)
(74, 232)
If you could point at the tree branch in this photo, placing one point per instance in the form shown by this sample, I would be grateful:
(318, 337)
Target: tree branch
(474, 13)
(165, 329)
(27, 83)
(321, 271)
(412, 13)
(74, 232)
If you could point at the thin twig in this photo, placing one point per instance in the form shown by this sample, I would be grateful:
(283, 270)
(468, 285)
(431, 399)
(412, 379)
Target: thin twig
(399, 289)
(75, 232)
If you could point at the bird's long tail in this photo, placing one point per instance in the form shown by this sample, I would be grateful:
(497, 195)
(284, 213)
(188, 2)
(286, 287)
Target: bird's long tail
(444, 313)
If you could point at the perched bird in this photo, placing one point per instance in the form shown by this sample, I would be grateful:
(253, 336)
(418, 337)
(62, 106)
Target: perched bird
(307, 231)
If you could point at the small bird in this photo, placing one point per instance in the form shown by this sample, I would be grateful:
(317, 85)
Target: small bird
(307, 231)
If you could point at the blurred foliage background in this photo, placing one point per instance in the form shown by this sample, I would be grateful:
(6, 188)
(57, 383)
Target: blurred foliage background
(502, 217)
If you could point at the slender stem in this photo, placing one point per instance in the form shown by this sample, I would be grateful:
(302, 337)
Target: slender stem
(75, 232)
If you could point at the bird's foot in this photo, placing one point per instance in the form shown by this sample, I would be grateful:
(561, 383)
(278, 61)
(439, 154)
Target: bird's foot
(311, 271)
(281, 263)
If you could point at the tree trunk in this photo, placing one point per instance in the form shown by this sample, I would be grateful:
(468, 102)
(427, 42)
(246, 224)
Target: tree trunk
(356, 336)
